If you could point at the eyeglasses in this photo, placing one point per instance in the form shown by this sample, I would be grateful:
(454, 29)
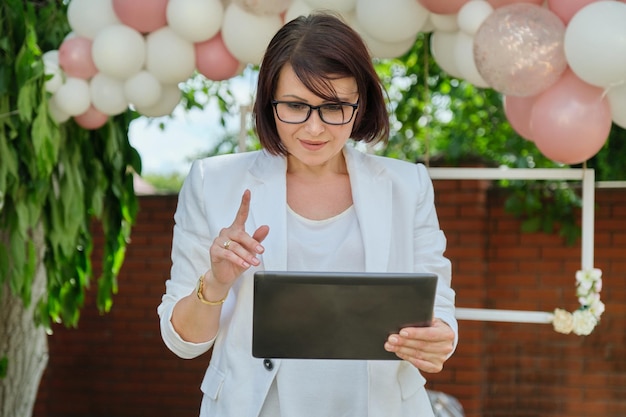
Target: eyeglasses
(331, 113)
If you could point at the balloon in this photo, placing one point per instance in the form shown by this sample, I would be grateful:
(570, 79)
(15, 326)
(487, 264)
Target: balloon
(464, 58)
(170, 58)
(378, 48)
(214, 60)
(501, 3)
(75, 58)
(443, 48)
(91, 119)
(444, 22)
(73, 97)
(248, 45)
(443, 6)
(52, 56)
(119, 51)
(142, 89)
(297, 8)
(566, 9)
(595, 44)
(107, 94)
(472, 15)
(391, 20)
(88, 17)
(617, 101)
(519, 49)
(142, 15)
(261, 7)
(195, 20)
(570, 121)
(52, 70)
(165, 105)
(517, 111)
(55, 112)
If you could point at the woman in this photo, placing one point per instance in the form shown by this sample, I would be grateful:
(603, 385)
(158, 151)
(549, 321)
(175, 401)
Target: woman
(308, 201)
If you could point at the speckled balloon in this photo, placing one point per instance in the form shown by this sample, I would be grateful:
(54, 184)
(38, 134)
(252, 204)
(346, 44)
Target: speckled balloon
(519, 50)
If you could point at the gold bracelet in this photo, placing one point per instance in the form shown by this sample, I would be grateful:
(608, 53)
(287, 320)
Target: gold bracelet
(201, 297)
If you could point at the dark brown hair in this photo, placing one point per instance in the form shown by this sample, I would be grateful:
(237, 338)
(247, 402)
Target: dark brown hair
(320, 47)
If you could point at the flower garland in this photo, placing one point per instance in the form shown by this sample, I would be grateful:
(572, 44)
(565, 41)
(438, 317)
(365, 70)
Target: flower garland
(584, 320)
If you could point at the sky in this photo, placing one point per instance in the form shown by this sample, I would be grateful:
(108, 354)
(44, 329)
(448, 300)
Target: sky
(186, 134)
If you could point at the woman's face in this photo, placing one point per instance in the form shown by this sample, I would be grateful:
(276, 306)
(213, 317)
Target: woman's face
(313, 143)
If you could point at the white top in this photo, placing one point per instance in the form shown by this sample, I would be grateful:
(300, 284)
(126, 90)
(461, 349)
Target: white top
(333, 387)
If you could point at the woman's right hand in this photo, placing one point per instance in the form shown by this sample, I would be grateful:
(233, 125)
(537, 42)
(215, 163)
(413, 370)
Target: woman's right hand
(233, 251)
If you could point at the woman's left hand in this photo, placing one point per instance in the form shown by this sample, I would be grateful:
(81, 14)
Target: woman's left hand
(427, 348)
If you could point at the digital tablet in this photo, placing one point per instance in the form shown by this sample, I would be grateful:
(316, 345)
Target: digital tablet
(331, 315)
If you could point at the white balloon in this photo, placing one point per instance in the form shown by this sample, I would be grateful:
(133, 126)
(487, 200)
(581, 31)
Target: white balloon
(167, 102)
(379, 49)
(443, 46)
(617, 101)
(88, 17)
(55, 112)
(341, 6)
(472, 14)
(444, 22)
(391, 20)
(170, 58)
(428, 25)
(142, 89)
(298, 8)
(595, 43)
(195, 20)
(246, 35)
(263, 6)
(53, 69)
(464, 53)
(119, 51)
(73, 97)
(107, 94)
(51, 56)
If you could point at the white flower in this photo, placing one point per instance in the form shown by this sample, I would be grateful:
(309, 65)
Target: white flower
(584, 322)
(563, 321)
(597, 308)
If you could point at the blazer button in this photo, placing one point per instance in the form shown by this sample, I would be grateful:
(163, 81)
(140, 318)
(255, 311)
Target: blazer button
(268, 364)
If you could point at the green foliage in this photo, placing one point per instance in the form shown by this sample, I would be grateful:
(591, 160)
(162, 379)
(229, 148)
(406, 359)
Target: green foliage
(170, 183)
(4, 364)
(56, 177)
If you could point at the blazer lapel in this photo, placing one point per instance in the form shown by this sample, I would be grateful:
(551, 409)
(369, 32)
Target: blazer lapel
(371, 193)
(268, 206)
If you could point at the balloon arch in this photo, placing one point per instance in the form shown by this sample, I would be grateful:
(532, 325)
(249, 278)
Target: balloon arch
(560, 64)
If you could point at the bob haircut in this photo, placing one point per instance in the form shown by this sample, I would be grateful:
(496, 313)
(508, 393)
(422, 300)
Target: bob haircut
(320, 47)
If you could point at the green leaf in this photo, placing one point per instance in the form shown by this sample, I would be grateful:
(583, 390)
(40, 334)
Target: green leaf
(4, 366)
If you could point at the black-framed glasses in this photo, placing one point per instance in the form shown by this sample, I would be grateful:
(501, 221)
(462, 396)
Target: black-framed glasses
(295, 112)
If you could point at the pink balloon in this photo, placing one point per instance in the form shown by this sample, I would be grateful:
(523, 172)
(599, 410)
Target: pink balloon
(142, 15)
(500, 3)
(566, 9)
(518, 49)
(443, 7)
(517, 111)
(91, 119)
(75, 58)
(571, 121)
(214, 60)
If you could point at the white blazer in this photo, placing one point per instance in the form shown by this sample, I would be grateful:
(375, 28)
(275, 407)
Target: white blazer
(394, 203)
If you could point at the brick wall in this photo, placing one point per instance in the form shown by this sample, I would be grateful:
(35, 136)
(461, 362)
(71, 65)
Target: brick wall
(115, 365)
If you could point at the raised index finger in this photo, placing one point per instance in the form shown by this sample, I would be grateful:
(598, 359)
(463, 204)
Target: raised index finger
(244, 209)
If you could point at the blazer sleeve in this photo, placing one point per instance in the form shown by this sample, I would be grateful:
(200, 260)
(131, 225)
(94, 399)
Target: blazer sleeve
(191, 240)
(430, 245)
